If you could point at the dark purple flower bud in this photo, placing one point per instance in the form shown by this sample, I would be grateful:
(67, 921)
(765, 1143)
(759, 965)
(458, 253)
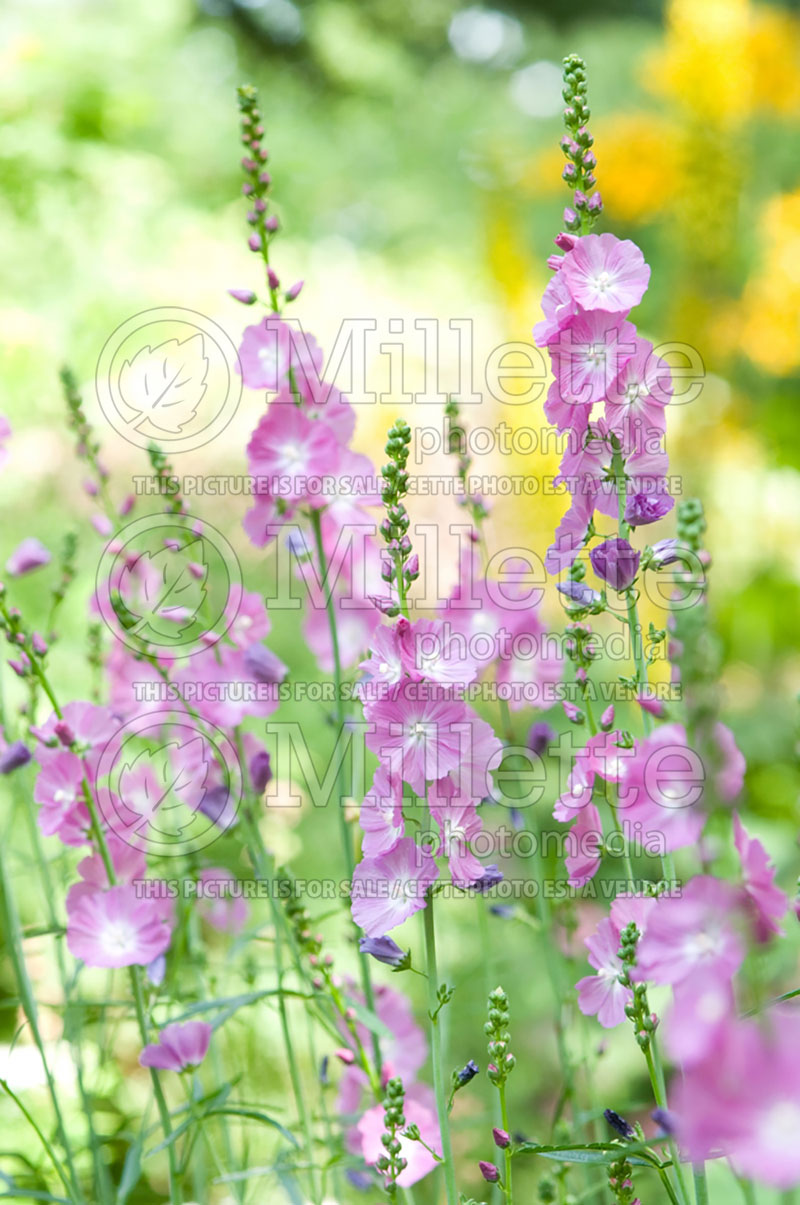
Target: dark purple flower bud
(260, 772)
(615, 562)
(246, 296)
(262, 664)
(294, 292)
(467, 1073)
(489, 1172)
(14, 756)
(503, 911)
(492, 875)
(156, 970)
(218, 806)
(272, 279)
(641, 509)
(579, 593)
(501, 1138)
(384, 950)
(623, 1127)
(664, 552)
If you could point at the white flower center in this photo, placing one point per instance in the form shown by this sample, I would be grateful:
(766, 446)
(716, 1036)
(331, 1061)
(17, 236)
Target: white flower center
(602, 281)
(119, 936)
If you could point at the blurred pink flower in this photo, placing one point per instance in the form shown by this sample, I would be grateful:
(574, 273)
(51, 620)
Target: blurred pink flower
(181, 1046)
(459, 823)
(29, 555)
(768, 903)
(117, 928)
(691, 932)
(381, 814)
(420, 1110)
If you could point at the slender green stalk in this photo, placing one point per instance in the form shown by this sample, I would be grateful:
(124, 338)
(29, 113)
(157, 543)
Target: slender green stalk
(347, 845)
(507, 1182)
(700, 1185)
(660, 1094)
(439, 1087)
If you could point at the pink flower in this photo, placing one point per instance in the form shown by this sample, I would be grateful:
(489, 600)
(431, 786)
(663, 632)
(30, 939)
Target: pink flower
(29, 555)
(691, 932)
(59, 791)
(743, 1100)
(570, 532)
(381, 815)
(603, 272)
(356, 621)
(558, 307)
(129, 865)
(635, 404)
(181, 1046)
(730, 776)
(420, 1110)
(431, 649)
(385, 662)
(387, 890)
(289, 448)
(218, 904)
(702, 1004)
(583, 843)
(768, 902)
(589, 355)
(459, 823)
(265, 354)
(250, 623)
(662, 789)
(602, 995)
(420, 731)
(117, 928)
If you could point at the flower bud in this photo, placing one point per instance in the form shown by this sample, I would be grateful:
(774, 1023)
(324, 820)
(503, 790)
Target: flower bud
(489, 1172)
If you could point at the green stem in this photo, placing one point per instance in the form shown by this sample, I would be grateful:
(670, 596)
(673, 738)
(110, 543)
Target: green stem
(347, 845)
(437, 1053)
(507, 1188)
(700, 1185)
(660, 1094)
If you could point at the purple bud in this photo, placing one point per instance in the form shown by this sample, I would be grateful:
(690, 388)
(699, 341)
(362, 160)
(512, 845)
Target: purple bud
(29, 555)
(467, 1073)
(39, 644)
(579, 199)
(501, 1138)
(607, 718)
(127, 504)
(264, 177)
(272, 278)
(569, 172)
(579, 593)
(254, 242)
(247, 188)
(573, 713)
(91, 488)
(664, 552)
(260, 771)
(641, 509)
(595, 201)
(293, 293)
(271, 224)
(615, 562)
(412, 566)
(492, 875)
(384, 950)
(554, 262)
(259, 204)
(570, 217)
(665, 1119)
(14, 756)
(246, 296)
(565, 242)
(263, 665)
(489, 1172)
(64, 733)
(156, 970)
(539, 737)
(623, 1127)
(387, 606)
(590, 159)
(249, 165)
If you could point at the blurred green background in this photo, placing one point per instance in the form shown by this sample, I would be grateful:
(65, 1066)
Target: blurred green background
(415, 162)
